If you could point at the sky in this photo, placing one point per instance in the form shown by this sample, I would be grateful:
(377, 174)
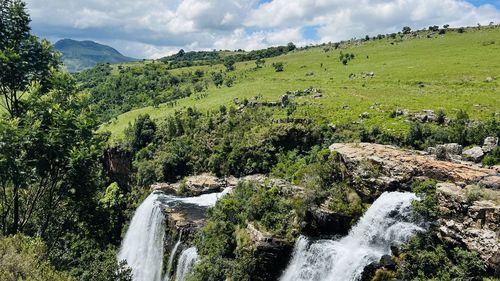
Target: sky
(155, 28)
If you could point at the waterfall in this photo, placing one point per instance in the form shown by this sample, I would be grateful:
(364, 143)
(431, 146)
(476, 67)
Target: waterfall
(186, 262)
(172, 256)
(142, 246)
(389, 221)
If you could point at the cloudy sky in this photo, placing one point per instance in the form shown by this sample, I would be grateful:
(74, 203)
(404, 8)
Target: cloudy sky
(154, 28)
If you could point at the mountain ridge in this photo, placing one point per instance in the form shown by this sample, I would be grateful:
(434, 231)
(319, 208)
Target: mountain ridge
(81, 55)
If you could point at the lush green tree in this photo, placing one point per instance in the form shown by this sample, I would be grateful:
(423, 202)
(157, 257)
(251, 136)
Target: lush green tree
(259, 63)
(218, 79)
(24, 59)
(141, 133)
(24, 259)
(229, 64)
(406, 30)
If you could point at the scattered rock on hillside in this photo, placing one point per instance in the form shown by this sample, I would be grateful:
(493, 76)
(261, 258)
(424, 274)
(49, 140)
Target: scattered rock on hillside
(364, 115)
(474, 154)
(489, 79)
(490, 143)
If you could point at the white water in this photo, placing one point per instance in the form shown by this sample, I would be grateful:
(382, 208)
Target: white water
(142, 246)
(172, 256)
(186, 262)
(389, 221)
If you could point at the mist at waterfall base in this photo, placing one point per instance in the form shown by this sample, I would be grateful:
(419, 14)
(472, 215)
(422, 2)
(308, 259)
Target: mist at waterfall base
(388, 222)
(143, 244)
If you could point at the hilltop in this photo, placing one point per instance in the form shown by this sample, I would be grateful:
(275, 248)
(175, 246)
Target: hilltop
(80, 55)
(389, 76)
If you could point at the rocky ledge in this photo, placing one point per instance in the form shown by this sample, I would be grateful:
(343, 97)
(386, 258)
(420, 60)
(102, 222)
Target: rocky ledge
(375, 168)
(194, 185)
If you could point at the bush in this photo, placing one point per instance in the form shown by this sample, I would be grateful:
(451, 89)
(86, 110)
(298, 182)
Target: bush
(427, 205)
(278, 66)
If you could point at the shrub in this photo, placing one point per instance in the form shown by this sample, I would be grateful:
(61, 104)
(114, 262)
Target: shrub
(278, 66)
(427, 205)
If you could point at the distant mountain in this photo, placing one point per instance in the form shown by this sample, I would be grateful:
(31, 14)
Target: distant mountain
(80, 55)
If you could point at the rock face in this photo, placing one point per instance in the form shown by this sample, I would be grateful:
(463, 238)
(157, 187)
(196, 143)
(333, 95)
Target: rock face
(490, 143)
(473, 224)
(465, 218)
(272, 254)
(118, 164)
(320, 221)
(375, 168)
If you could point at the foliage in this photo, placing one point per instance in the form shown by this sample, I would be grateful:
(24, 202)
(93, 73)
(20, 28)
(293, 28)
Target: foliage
(224, 244)
(141, 133)
(427, 205)
(222, 142)
(425, 257)
(278, 66)
(24, 258)
(492, 158)
(24, 59)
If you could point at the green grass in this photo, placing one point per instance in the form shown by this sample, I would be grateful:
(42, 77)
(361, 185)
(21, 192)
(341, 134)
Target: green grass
(452, 68)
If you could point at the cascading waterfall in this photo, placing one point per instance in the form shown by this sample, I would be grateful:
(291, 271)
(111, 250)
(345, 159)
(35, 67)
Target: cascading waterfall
(186, 262)
(389, 221)
(172, 256)
(142, 247)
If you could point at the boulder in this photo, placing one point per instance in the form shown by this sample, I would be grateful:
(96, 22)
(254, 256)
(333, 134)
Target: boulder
(387, 262)
(474, 154)
(451, 148)
(369, 271)
(490, 143)
(364, 115)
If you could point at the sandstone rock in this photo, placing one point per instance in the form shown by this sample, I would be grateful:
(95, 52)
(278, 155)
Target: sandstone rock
(473, 224)
(451, 148)
(193, 185)
(474, 154)
(489, 79)
(489, 144)
(375, 168)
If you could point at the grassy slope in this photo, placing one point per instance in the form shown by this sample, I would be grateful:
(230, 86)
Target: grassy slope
(452, 67)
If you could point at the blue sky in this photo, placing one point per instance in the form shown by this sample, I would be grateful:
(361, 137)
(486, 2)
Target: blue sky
(155, 28)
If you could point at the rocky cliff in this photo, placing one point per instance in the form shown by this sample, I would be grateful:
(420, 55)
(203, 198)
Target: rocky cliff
(469, 200)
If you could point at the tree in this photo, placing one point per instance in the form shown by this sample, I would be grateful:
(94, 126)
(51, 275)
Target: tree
(24, 59)
(278, 66)
(141, 133)
(259, 63)
(406, 30)
(218, 79)
(290, 46)
(229, 64)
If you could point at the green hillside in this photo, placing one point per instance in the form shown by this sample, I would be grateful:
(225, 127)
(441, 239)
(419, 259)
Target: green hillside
(80, 55)
(430, 71)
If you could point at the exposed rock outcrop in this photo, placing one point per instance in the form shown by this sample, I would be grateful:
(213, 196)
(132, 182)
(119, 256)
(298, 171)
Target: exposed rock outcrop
(271, 253)
(193, 185)
(375, 168)
(474, 224)
(469, 215)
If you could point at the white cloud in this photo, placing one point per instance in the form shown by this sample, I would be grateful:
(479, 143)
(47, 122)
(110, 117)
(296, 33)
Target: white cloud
(152, 28)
